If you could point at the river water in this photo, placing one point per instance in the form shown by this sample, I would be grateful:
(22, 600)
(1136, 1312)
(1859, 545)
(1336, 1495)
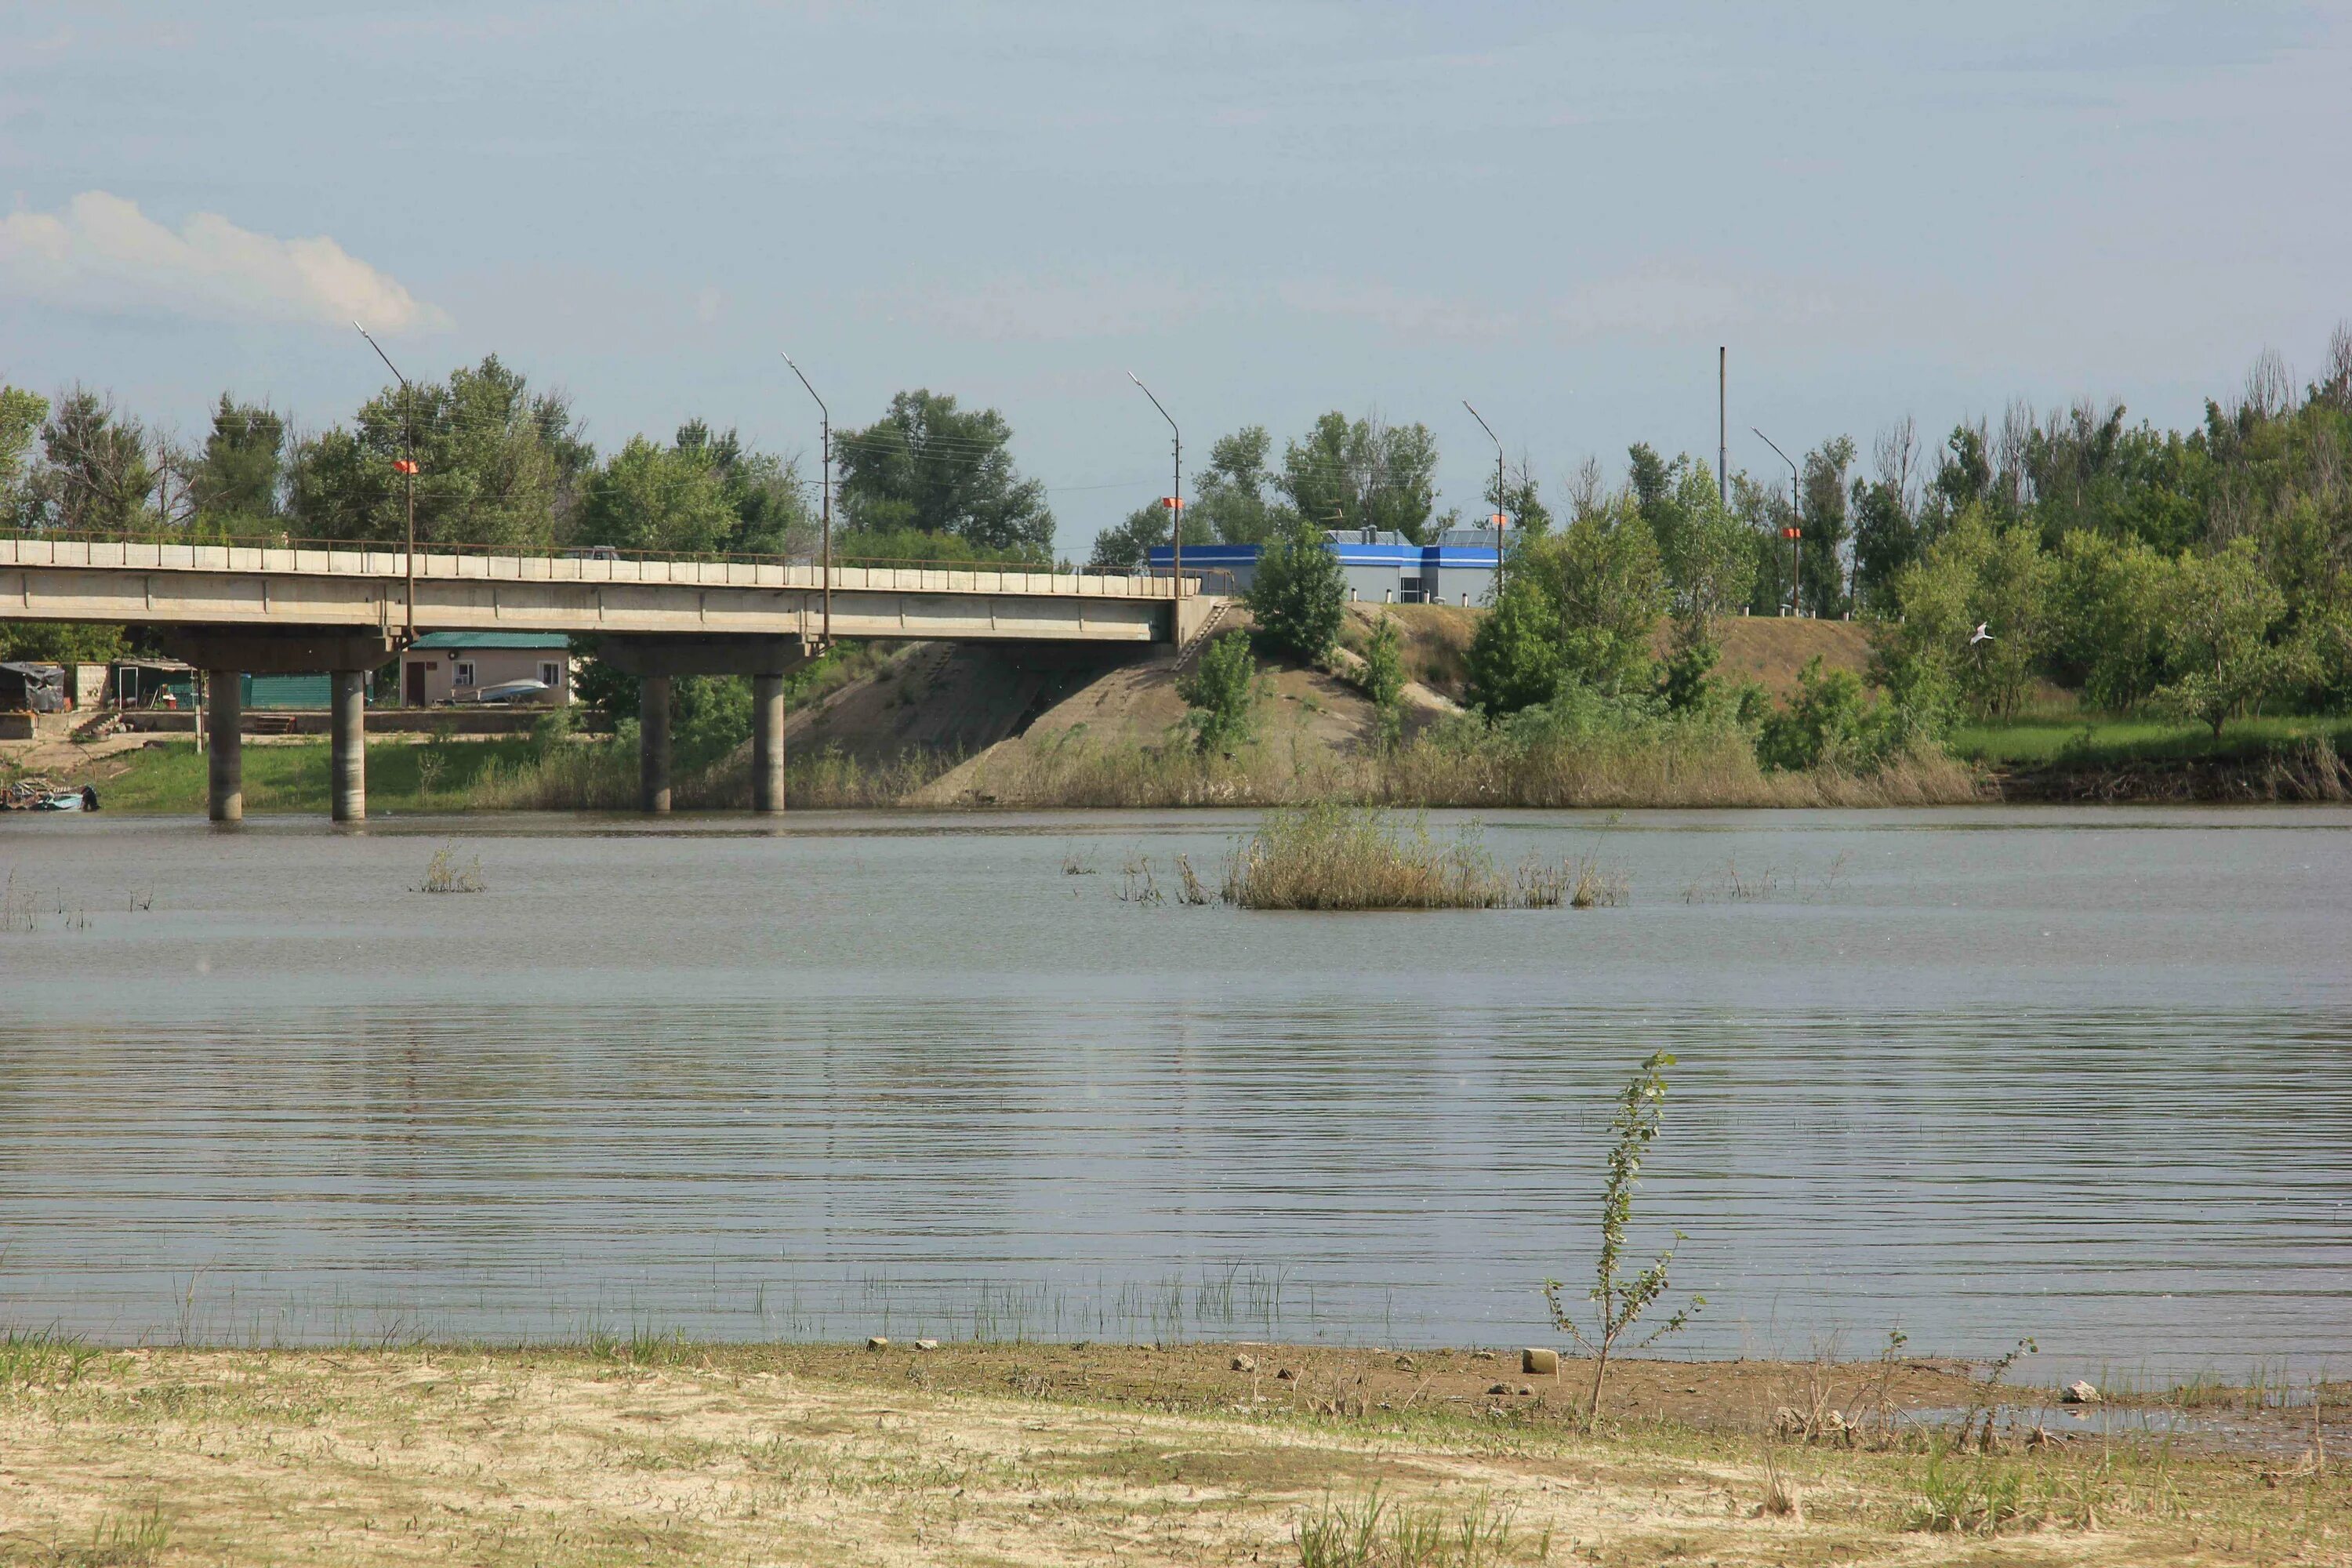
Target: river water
(1978, 1075)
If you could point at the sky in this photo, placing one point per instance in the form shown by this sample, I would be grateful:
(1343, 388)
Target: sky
(1265, 210)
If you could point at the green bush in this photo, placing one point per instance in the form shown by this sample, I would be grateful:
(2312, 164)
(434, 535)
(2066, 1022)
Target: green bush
(1385, 681)
(1222, 689)
(1299, 595)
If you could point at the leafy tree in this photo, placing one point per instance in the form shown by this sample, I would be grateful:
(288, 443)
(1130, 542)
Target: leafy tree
(2218, 619)
(1687, 681)
(1518, 497)
(1708, 555)
(21, 413)
(1963, 479)
(1619, 1301)
(1222, 689)
(2111, 599)
(1828, 724)
(60, 642)
(1364, 475)
(236, 482)
(1977, 573)
(1231, 492)
(1607, 589)
(97, 476)
(932, 468)
(912, 544)
(1300, 595)
(1821, 552)
(498, 463)
(656, 498)
(771, 514)
(1127, 546)
(1514, 653)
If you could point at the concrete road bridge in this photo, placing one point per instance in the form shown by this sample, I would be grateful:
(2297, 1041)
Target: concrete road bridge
(346, 609)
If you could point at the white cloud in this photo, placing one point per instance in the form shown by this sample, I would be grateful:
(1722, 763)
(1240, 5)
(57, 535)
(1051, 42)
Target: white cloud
(102, 253)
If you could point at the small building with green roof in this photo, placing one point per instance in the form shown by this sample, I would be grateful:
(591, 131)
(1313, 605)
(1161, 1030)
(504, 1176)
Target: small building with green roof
(443, 668)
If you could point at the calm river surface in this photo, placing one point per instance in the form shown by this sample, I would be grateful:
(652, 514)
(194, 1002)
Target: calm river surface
(2082, 1076)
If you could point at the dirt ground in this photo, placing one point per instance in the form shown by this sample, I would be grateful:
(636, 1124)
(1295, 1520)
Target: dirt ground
(660, 1452)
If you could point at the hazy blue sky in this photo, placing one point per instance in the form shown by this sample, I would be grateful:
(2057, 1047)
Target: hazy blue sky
(1266, 210)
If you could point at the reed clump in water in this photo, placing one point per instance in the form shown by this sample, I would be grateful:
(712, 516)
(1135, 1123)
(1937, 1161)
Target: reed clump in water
(1331, 856)
(443, 874)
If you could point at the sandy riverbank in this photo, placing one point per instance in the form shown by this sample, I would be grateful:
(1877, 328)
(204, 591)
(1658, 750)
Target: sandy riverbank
(663, 1452)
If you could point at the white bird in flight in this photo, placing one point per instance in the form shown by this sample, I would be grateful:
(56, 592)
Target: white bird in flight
(1981, 634)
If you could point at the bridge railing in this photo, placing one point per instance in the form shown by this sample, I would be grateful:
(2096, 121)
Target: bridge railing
(438, 558)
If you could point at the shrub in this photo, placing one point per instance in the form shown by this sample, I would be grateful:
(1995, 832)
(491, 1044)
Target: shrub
(1514, 659)
(1299, 594)
(1385, 681)
(1222, 689)
(1618, 1301)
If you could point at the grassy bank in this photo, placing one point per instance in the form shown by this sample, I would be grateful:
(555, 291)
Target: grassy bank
(1071, 770)
(459, 775)
(2093, 742)
(2111, 759)
(657, 1451)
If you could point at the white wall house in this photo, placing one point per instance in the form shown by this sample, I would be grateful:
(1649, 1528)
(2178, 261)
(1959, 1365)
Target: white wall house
(457, 666)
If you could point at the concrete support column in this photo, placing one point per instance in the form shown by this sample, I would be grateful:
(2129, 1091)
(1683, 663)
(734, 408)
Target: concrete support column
(653, 743)
(347, 784)
(768, 744)
(225, 735)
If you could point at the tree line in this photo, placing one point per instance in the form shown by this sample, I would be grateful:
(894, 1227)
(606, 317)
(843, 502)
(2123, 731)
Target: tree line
(503, 463)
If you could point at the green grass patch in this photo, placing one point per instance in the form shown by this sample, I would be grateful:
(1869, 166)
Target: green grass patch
(169, 778)
(2101, 742)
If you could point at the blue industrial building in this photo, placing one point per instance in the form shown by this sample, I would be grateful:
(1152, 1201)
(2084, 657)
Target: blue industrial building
(1380, 568)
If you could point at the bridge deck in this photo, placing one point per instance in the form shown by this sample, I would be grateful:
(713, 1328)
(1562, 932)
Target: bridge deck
(353, 585)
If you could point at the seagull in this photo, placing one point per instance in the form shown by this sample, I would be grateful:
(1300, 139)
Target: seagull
(1980, 634)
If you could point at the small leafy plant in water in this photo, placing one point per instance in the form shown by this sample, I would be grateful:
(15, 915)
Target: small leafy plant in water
(1619, 1301)
(443, 874)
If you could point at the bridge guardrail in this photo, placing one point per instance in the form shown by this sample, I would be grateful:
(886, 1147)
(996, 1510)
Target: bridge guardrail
(582, 565)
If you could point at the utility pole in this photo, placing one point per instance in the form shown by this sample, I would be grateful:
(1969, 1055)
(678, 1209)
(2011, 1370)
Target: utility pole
(1499, 483)
(1175, 506)
(824, 438)
(407, 465)
(1722, 425)
(1794, 532)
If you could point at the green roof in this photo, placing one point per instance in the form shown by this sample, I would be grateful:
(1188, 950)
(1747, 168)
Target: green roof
(492, 639)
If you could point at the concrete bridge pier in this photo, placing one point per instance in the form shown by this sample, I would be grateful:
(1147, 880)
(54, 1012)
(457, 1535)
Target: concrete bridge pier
(655, 660)
(224, 740)
(228, 653)
(347, 779)
(653, 743)
(768, 744)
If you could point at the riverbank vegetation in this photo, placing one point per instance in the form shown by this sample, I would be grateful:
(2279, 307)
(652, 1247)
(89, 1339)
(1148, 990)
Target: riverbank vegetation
(649, 1448)
(2159, 582)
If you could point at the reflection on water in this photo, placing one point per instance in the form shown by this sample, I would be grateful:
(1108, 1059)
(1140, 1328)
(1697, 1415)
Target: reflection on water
(1973, 1075)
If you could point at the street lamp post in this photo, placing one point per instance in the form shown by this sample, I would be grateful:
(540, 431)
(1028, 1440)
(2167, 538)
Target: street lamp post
(1795, 530)
(407, 466)
(1175, 504)
(824, 429)
(1499, 482)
